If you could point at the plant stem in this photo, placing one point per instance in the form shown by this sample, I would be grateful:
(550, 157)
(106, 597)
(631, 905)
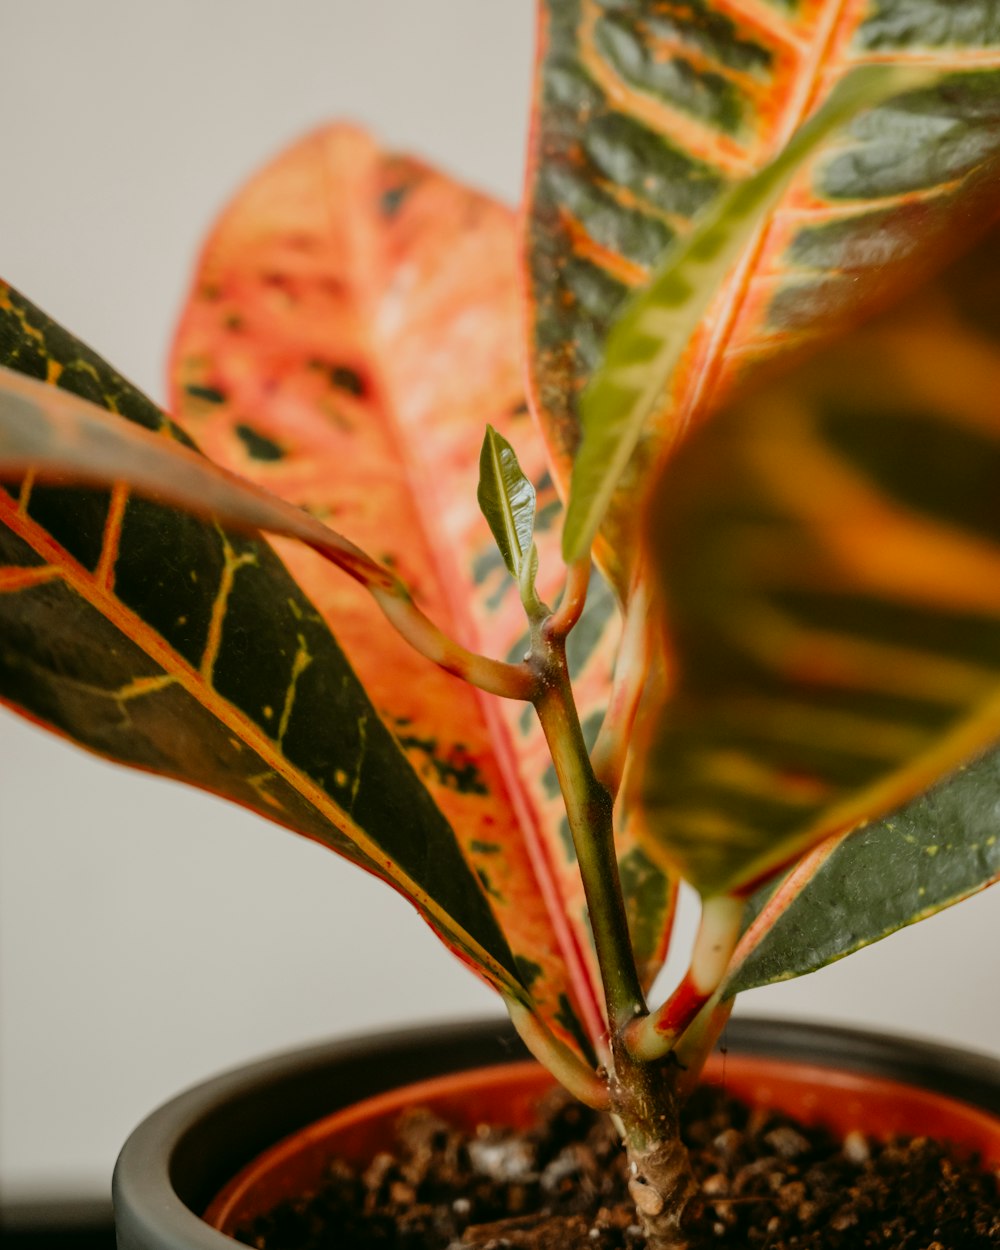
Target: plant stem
(655, 1035)
(569, 1071)
(643, 1096)
(698, 1041)
(511, 681)
(645, 1102)
(573, 600)
(589, 811)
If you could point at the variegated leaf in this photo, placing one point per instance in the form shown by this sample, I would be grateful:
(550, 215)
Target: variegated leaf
(830, 553)
(352, 329)
(56, 436)
(647, 111)
(858, 887)
(165, 642)
(647, 339)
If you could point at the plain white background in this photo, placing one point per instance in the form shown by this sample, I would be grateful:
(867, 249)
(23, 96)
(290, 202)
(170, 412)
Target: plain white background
(152, 935)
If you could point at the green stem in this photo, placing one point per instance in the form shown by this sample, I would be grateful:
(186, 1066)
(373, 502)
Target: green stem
(569, 1071)
(589, 811)
(511, 681)
(643, 1096)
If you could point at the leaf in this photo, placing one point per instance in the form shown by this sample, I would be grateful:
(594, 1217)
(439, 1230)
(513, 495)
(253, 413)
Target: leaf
(856, 888)
(646, 113)
(507, 501)
(166, 643)
(352, 325)
(646, 341)
(45, 431)
(830, 560)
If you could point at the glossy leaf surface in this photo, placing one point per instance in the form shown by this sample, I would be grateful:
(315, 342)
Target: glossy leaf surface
(507, 501)
(859, 887)
(352, 329)
(647, 112)
(830, 552)
(162, 641)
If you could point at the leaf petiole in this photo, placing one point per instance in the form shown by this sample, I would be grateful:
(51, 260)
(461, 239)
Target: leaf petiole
(564, 1065)
(656, 1035)
(56, 434)
(573, 601)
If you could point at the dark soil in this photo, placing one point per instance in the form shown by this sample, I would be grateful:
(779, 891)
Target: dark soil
(765, 1181)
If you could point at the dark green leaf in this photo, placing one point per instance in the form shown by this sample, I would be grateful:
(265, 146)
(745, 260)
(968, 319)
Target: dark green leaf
(167, 643)
(861, 887)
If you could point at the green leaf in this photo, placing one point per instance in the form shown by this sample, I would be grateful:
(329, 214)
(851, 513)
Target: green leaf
(829, 552)
(507, 501)
(169, 644)
(648, 338)
(862, 886)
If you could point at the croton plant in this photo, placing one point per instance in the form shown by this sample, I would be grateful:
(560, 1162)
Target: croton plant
(725, 394)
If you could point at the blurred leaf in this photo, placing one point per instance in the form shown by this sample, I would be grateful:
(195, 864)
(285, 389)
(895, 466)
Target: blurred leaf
(829, 548)
(645, 114)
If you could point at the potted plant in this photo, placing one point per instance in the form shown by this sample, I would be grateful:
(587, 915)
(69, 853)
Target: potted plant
(778, 686)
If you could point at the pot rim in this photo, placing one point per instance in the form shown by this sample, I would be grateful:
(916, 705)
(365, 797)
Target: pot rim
(508, 1094)
(180, 1156)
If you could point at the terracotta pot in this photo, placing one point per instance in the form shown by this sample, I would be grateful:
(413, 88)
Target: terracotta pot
(237, 1145)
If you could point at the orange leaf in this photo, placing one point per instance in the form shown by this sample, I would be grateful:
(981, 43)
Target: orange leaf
(352, 329)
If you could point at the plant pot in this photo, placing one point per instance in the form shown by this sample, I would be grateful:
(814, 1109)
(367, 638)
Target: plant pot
(186, 1154)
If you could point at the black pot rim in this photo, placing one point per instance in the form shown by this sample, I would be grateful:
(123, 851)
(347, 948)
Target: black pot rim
(180, 1156)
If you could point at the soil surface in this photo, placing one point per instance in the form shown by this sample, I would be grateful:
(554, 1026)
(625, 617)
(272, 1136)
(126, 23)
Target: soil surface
(765, 1182)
